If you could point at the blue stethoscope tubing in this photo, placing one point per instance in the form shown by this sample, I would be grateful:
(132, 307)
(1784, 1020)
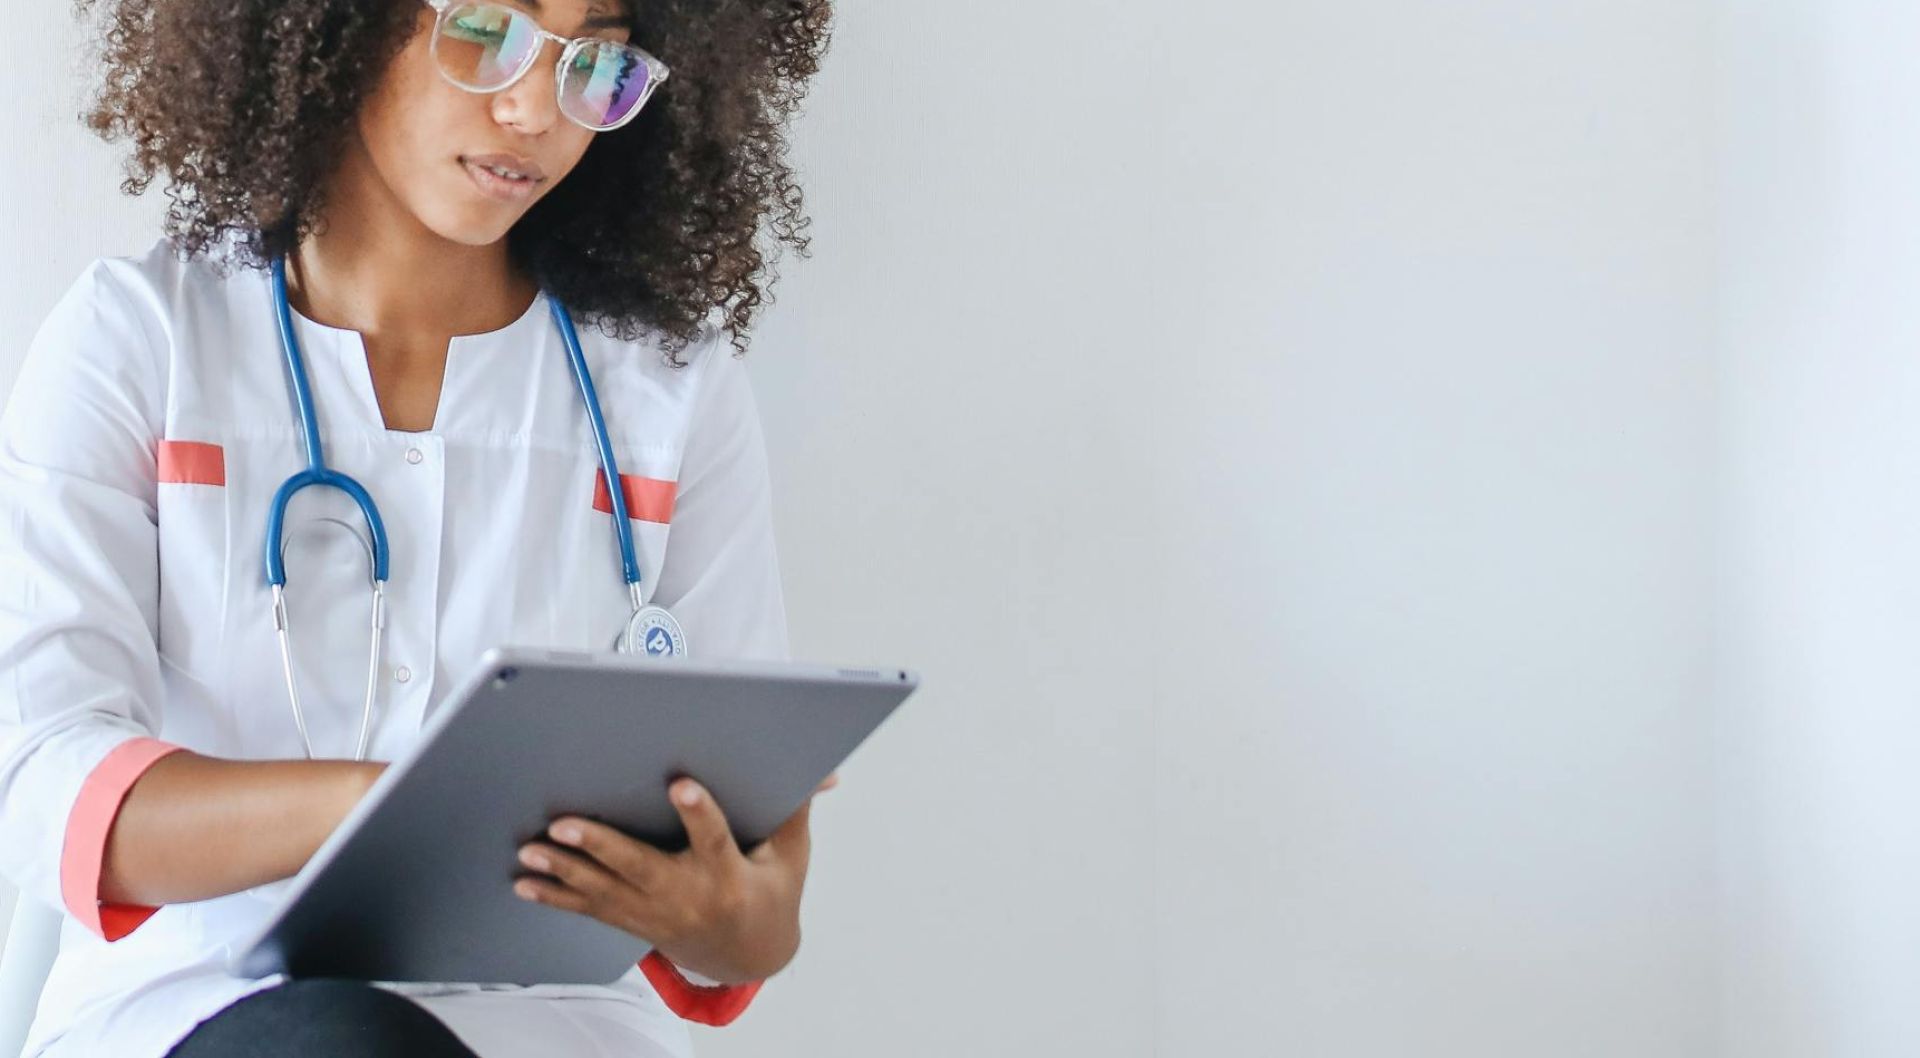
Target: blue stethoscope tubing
(318, 473)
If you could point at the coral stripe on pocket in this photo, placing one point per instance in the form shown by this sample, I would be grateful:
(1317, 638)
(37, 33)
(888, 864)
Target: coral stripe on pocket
(193, 463)
(648, 499)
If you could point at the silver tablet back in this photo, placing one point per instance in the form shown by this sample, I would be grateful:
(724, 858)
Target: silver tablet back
(416, 883)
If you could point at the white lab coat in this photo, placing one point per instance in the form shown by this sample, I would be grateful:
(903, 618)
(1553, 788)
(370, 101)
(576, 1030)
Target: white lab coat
(134, 607)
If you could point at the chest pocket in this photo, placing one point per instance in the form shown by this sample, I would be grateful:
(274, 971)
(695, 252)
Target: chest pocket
(599, 582)
(195, 529)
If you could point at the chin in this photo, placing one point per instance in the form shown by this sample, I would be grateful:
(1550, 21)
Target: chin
(455, 211)
(479, 227)
(477, 237)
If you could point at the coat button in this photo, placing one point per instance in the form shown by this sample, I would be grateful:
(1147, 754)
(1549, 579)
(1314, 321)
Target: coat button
(402, 674)
(414, 456)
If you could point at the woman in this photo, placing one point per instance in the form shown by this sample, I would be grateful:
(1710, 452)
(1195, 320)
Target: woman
(412, 188)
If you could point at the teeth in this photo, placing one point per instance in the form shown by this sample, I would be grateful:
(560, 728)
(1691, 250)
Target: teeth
(504, 174)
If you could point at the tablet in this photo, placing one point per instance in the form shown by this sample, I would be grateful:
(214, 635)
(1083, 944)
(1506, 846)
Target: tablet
(416, 883)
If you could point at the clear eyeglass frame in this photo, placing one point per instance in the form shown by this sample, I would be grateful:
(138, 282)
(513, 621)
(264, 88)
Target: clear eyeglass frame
(657, 71)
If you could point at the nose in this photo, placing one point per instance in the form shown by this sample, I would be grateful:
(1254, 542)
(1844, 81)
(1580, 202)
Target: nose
(531, 105)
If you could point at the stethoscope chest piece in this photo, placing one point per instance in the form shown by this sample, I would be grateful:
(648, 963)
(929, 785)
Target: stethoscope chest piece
(654, 632)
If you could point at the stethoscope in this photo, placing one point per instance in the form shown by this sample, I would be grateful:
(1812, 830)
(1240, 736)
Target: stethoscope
(650, 630)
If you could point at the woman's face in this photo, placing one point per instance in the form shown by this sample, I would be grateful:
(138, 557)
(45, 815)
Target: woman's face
(469, 165)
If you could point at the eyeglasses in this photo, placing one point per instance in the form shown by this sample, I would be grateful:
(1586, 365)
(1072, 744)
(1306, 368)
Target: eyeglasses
(484, 47)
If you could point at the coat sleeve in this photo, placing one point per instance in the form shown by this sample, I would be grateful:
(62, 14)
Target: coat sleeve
(721, 580)
(80, 682)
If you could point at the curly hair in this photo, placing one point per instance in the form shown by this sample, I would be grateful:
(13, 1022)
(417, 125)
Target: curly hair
(240, 106)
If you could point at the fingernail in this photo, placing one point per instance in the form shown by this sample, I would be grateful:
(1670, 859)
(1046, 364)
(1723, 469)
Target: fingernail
(689, 794)
(534, 859)
(566, 832)
(523, 890)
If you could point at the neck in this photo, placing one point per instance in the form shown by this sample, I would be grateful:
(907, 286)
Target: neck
(373, 267)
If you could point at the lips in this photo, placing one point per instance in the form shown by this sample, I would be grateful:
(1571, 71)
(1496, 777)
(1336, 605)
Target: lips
(506, 177)
(507, 165)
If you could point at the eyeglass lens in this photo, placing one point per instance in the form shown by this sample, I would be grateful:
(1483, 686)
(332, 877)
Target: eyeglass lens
(484, 46)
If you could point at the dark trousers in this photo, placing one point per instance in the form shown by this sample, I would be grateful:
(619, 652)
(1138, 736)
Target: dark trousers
(322, 1016)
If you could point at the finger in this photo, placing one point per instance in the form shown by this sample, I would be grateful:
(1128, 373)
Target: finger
(578, 872)
(543, 891)
(828, 783)
(636, 861)
(707, 831)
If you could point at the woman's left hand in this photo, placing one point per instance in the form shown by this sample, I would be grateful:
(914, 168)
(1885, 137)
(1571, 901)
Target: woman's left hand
(728, 915)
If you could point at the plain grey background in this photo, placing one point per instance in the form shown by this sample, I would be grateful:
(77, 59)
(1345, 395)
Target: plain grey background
(1404, 509)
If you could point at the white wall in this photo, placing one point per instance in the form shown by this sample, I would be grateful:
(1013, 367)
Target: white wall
(1821, 574)
(1434, 478)
(1282, 436)
(58, 205)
